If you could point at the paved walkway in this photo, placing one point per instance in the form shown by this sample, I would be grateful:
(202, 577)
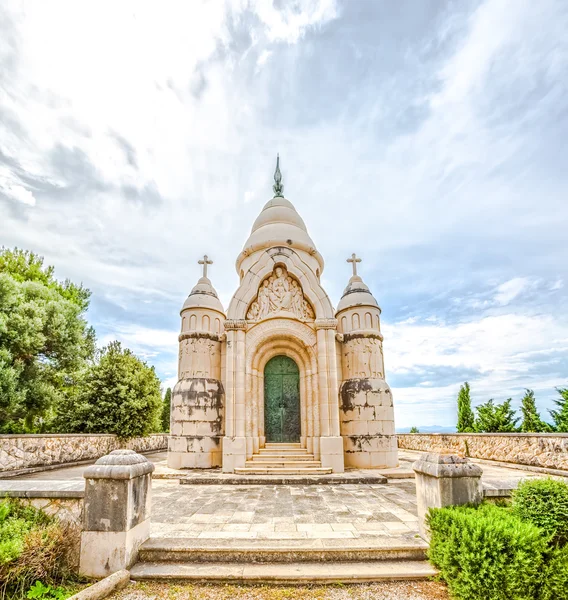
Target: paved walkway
(283, 511)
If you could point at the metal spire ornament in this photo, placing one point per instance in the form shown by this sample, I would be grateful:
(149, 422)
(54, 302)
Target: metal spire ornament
(278, 186)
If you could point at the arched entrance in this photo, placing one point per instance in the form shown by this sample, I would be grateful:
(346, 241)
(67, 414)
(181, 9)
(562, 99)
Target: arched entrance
(282, 400)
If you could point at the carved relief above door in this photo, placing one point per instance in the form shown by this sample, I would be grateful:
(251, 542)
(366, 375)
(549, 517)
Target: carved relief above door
(280, 294)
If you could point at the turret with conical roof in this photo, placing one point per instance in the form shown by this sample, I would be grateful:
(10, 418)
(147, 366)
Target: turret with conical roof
(366, 415)
(196, 423)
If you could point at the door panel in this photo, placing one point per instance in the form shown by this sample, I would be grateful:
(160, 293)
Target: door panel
(282, 400)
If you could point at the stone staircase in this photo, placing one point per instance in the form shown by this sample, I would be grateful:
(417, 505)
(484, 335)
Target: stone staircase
(283, 459)
(283, 561)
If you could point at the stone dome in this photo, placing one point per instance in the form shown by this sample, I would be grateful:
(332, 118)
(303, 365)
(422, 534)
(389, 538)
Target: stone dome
(203, 295)
(279, 224)
(356, 293)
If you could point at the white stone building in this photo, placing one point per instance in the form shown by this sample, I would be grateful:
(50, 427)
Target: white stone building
(281, 377)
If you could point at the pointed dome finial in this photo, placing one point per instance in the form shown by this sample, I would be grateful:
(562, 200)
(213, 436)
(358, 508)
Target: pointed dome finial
(278, 186)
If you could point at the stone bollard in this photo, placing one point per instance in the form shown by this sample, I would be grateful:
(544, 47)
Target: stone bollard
(445, 480)
(116, 519)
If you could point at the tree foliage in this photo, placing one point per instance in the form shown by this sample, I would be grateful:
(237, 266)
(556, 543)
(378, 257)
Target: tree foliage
(495, 418)
(466, 419)
(414, 429)
(45, 340)
(118, 394)
(531, 421)
(560, 415)
(166, 408)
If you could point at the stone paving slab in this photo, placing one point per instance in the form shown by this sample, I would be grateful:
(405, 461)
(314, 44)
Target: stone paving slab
(299, 512)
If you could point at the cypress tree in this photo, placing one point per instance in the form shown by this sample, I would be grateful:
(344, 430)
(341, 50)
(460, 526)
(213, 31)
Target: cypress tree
(466, 418)
(560, 416)
(531, 423)
(166, 410)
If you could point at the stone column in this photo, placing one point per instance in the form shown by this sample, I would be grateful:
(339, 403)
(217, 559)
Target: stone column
(116, 519)
(331, 443)
(234, 442)
(445, 480)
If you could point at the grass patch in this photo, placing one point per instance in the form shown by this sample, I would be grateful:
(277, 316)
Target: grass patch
(34, 547)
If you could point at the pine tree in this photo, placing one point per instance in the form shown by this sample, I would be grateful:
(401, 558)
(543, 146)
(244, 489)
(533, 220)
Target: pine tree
(466, 418)
(495, 418)
(531, 423)
(414, 430)
(560, 416)
(166, 410)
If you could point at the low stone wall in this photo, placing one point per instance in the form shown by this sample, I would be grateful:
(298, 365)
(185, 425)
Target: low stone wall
(545, 450)
(18, 452)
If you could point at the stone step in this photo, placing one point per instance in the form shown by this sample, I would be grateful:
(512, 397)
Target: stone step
(280, 550)
(279, 456)
(283, 445)
(285, 573)
(260, 470)
(282, 464)
(270, 451)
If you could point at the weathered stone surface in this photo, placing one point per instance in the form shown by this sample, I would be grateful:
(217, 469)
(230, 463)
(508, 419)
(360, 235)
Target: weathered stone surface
(25, 451)
(116, 516)
(67, 510)
(547, 450)
(105, 587)
(445, 480)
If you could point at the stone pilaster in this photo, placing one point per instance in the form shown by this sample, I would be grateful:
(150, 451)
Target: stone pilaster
(330, 442)
(234, 442)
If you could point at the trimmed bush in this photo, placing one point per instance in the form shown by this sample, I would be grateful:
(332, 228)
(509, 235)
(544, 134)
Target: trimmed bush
(544, 502)
(555, 578)
(487, 552)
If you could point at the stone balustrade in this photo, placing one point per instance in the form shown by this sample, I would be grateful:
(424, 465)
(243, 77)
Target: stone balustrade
(21, 452)
(544, 450)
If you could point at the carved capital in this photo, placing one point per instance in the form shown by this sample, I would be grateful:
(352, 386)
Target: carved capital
(215, 337)
(235, 324)
(363, 334)
(325, 324)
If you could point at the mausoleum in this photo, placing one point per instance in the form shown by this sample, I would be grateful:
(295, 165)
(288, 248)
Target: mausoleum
(281, 381)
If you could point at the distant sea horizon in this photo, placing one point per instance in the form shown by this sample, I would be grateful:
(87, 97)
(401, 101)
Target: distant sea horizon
(428, 429)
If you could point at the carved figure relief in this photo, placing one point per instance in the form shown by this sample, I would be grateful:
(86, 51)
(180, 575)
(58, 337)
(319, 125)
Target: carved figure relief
(280, 293)
(362, 357)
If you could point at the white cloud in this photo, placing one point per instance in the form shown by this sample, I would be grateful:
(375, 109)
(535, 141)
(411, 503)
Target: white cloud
(434, 151)
(508, 291)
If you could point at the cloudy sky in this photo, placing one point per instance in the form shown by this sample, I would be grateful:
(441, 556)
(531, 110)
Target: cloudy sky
(430, 137)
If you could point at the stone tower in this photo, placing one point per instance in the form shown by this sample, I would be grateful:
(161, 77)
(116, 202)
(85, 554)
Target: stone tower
(365, 399)
(197, 416)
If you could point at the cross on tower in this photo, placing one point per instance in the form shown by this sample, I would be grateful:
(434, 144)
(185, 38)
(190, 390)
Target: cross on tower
(205, 262)
(354, 260)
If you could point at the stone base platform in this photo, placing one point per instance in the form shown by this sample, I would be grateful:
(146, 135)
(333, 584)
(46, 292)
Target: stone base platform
(218, 478)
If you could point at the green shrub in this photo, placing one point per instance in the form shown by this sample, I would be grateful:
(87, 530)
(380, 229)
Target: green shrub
(33, 547)
(544, 502)
(555, 577)
(487, 552)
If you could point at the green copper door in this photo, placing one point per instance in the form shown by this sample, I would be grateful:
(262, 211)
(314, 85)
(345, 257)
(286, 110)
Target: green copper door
(281, 400)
